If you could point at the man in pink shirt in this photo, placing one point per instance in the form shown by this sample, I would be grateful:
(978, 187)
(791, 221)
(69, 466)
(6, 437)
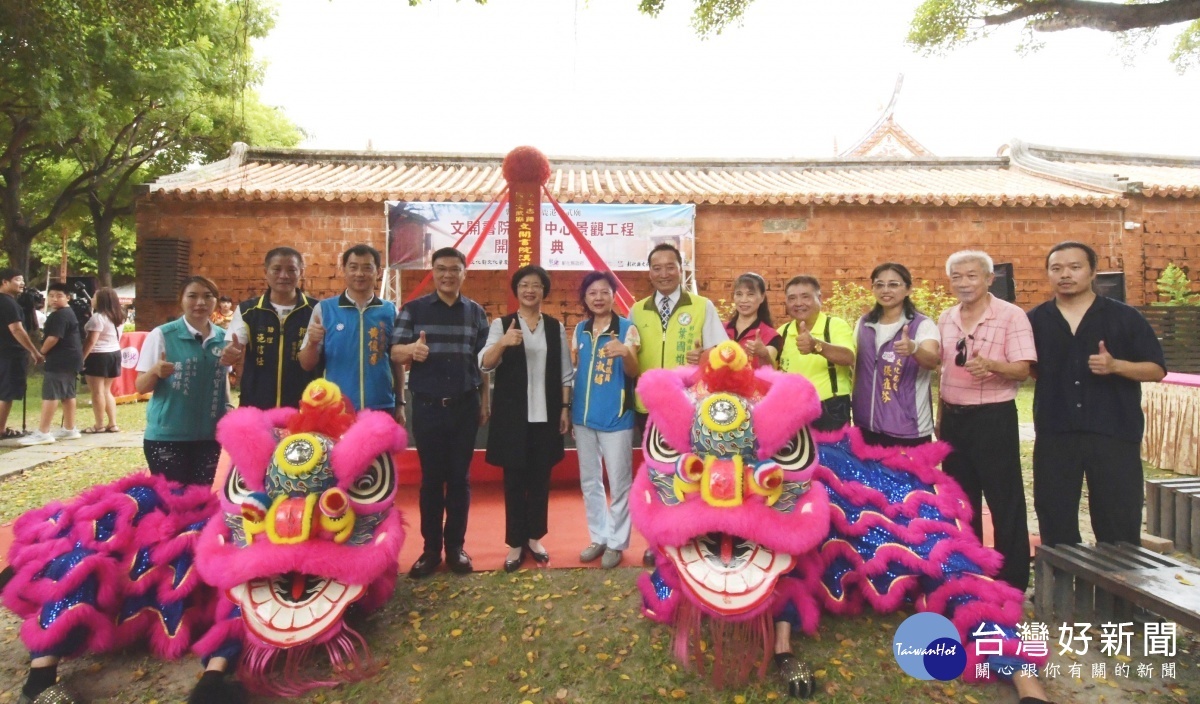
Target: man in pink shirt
(987, 349)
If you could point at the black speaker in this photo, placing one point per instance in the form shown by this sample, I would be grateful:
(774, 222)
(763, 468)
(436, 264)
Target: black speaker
(1110, 284)
(1002, 286)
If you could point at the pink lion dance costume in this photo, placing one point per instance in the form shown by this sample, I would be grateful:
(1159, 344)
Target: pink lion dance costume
(753, 522)
(262, 573)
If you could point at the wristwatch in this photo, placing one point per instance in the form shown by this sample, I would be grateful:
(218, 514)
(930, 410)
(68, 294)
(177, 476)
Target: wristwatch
(817, 347)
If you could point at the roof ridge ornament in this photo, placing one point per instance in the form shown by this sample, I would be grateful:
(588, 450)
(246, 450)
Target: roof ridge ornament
(1035, 159)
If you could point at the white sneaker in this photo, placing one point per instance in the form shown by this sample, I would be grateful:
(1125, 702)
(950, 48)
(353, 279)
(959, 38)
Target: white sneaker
(36, 438)
(66, 433)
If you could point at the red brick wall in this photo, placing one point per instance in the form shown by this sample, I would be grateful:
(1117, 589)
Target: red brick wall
(1169, 232)
(841, 243)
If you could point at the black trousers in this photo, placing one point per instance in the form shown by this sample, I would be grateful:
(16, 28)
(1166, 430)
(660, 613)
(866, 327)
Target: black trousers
(884, 440)
(1113, 468)
(445, 437)
(986, 463)
(186, 462)
(527, 490)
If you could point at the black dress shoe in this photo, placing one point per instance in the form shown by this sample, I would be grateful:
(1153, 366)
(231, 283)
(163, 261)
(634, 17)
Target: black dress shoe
(648, 558)
(424, 566)
(514, 565)
(459, 561)
(539, 557)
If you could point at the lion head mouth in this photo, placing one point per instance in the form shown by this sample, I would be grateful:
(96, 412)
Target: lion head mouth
(728, 574)
(293, 608)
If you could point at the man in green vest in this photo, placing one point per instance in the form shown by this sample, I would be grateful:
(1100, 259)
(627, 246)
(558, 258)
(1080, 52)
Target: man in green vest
(675, 326)
(821, 347)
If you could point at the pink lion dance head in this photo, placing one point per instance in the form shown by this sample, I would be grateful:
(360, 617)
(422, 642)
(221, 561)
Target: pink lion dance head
(307, 528)
(726, 497)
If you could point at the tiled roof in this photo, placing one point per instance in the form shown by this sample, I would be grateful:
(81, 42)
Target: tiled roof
(1148, 174)
(295, 174)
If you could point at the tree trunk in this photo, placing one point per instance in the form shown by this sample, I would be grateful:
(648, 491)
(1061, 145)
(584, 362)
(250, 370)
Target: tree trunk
(102, 222)
(16, 245)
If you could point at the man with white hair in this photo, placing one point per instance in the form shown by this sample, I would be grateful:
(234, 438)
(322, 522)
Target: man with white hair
(987, 350)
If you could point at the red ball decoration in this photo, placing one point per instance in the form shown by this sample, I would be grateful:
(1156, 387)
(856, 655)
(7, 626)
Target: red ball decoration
(526, 165)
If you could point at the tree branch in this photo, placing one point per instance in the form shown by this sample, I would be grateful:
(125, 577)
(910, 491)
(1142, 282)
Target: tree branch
(1060, 15)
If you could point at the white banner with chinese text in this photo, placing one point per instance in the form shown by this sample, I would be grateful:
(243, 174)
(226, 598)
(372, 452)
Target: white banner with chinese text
(622, 234)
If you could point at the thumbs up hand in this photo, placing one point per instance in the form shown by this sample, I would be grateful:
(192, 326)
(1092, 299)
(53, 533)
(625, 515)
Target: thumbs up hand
(904, 347)
(420, 348)
(316, 332)
(512, 336)
(162, 368)
(233, 353)
(1102, 363)
(693, 355)
(979, 367)
(804, 339)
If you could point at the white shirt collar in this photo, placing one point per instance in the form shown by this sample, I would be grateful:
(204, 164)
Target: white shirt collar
(673, 297)
(212, 330)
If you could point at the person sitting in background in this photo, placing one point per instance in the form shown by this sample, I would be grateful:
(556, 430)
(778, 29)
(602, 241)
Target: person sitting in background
(898, 349)
(102, 358)
(223, 315)
(751, 325)
(62, 348)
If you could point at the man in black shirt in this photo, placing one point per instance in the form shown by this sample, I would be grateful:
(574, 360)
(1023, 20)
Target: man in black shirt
(15, 347)
(1093, 353)
(63, 348)
(441, 335)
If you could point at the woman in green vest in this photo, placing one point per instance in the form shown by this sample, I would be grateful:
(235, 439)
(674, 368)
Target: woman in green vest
(184, 363)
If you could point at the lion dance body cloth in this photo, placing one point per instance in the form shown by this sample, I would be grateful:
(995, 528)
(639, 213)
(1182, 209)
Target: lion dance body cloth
(755, 520)
(261, 573)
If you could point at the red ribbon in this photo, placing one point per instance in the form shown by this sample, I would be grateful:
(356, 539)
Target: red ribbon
(499, 201)
(624, 297)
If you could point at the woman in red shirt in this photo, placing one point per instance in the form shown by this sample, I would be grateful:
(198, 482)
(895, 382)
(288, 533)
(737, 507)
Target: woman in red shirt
(751, 325)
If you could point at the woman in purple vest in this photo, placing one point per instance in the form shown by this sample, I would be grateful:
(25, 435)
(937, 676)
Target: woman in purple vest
(898, 349)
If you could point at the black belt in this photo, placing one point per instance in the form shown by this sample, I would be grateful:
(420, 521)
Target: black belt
(443, 401)
(957, 410)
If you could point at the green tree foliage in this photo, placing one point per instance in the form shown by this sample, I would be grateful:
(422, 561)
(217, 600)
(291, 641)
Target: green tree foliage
(1174, 286)
(123, 92)
(940, 25)
(851, 301)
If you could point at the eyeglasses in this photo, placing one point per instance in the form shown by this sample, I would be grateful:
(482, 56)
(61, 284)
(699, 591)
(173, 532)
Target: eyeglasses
(960, 351)
(889, 285)
(526, 286)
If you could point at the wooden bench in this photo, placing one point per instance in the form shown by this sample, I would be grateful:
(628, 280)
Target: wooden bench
(1112, 583)
(1173, 512)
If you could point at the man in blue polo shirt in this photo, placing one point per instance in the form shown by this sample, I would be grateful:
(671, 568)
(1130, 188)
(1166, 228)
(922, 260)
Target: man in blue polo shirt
(441, 335)
(353, 333)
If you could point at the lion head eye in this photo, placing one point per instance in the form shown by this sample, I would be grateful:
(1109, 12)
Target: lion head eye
(798, 454)
(658, 449)
(236, 489)
(376, 483)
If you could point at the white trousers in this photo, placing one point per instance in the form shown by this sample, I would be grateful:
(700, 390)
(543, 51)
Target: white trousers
(607, 516)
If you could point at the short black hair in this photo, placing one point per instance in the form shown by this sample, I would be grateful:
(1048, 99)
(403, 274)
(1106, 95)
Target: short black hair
(1071, 244)
(362, 250)
(61, 287)
(224, 299)
(527, 270)
(283, 252)
(449, 252)
(804, 279)
(8, 274)
(665, 247)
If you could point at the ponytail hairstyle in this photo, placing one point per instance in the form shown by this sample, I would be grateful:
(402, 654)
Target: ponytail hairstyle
(910, 310)
(755, 282)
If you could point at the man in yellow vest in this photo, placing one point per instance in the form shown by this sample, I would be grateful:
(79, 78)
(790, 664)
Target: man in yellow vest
(675, 326)
(821, 347)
